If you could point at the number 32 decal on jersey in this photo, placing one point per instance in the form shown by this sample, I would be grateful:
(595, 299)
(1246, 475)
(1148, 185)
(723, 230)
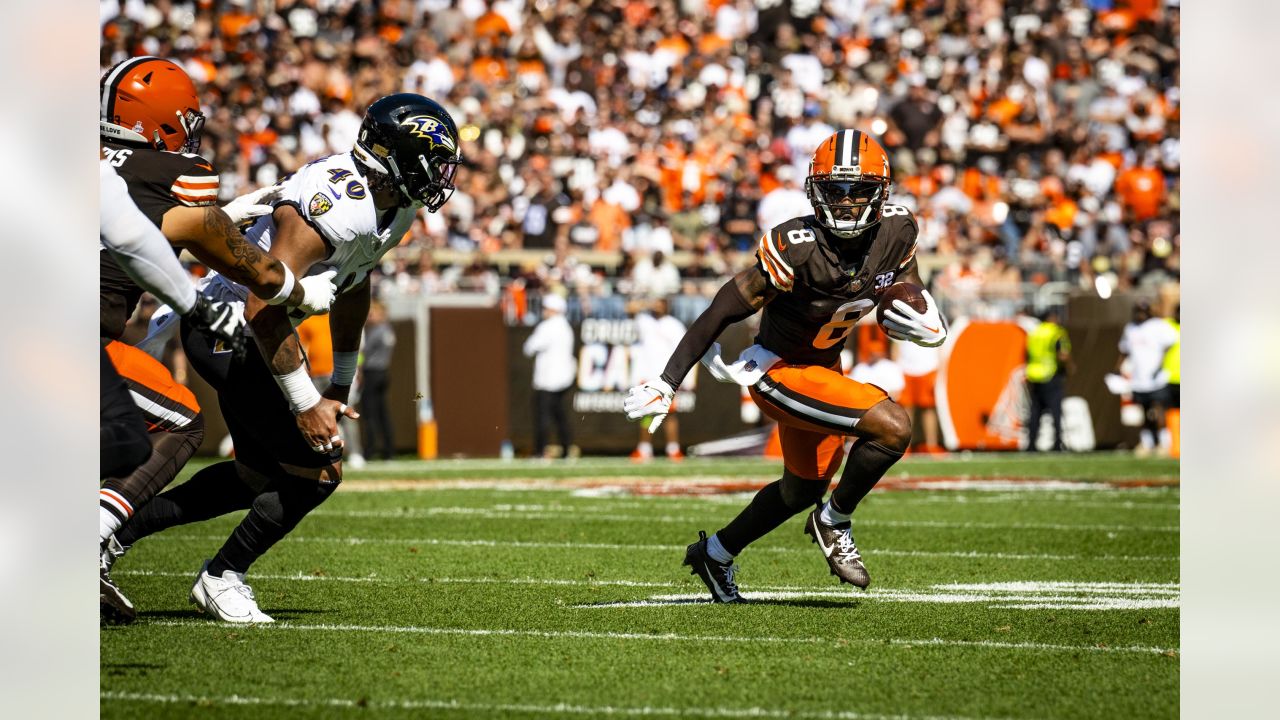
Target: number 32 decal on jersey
(842, 322)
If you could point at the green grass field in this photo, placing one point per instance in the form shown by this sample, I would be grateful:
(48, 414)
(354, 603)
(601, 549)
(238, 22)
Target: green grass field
(1035, 588)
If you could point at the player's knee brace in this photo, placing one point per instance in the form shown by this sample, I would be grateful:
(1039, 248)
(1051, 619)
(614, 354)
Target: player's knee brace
(799, 493)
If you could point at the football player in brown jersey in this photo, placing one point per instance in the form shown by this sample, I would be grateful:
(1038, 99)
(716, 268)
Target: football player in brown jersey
(814, 277)
(150, 124)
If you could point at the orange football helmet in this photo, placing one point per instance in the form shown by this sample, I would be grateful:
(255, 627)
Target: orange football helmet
(848, 182)
(151, 100)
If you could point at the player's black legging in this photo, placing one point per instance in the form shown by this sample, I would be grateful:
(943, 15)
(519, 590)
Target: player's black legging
(549, 405)
(266, 436)
(375, 415)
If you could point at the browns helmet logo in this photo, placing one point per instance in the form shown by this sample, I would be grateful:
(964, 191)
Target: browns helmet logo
(425, 126)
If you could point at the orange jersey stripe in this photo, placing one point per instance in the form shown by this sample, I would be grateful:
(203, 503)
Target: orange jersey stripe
(195, 200)
(769, 246)
(210, 185)
(779, 280)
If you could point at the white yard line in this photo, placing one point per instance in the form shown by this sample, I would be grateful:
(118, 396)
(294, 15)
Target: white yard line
(659, 637)
(604, 484)
(1097, 589)
(490, 708)
(524, 544)
(426, 581)
(999, 601)
(562, 513)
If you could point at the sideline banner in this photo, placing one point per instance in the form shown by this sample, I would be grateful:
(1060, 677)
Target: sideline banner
(980, 385)
(608, 363)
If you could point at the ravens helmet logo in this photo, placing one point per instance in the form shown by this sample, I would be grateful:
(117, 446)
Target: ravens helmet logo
(432, 129)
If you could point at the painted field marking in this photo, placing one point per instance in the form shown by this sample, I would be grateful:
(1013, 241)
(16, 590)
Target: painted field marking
(696, 502)
(656, 637)
(558, 514)
(720, 483)
(1024, 595)
(490, 708)
(301, 577)
(526, 544)
(1014, 595)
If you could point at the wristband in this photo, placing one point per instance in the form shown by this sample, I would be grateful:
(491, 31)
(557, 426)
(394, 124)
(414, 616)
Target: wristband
(344, 367)
(298, 390)
(286, 289)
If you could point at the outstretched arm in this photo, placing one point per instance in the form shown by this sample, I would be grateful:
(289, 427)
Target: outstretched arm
(738, 299)
(210, 235)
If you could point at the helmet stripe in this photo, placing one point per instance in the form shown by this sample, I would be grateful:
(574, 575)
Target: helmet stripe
(850, 147)
(113, 81)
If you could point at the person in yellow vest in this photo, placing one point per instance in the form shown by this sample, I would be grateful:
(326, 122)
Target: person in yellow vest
(1173, 360)
(1048, 362)
(1172, 368)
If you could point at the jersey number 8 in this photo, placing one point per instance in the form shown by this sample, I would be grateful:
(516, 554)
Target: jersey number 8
(842, 322)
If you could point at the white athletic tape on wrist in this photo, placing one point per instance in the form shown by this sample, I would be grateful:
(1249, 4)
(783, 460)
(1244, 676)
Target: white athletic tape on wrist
(286, 289)
(344, 367)
(298, 390)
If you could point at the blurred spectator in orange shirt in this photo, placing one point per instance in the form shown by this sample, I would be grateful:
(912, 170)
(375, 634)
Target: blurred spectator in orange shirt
(1141, 189)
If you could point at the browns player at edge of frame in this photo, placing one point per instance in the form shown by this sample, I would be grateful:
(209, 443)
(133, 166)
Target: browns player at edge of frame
(149, 126)
(814, 277)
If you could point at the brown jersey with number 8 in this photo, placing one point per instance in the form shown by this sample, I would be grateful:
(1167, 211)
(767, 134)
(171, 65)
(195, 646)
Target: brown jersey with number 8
(822, 289)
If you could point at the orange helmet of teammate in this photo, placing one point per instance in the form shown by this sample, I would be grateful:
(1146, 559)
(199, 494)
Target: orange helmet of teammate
(848, 182)
(150, 100)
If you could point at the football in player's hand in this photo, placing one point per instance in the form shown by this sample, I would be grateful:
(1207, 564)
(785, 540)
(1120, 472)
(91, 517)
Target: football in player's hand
(908, 293)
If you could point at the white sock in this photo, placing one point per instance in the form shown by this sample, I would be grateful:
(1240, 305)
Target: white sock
(645, 449)
(673, 448)
(717, 551)
(108, 524)
(831, 516)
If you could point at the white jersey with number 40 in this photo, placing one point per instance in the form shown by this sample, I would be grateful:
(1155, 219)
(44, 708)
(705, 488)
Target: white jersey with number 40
(333, 197)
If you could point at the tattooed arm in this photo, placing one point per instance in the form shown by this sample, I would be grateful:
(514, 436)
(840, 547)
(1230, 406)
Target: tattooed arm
(211, 236)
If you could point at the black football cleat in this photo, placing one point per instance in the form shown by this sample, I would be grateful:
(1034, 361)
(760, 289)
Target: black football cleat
(718, 577)
(839, 549)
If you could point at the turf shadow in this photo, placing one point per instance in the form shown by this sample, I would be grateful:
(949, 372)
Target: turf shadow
(800, 603)
(135, 669)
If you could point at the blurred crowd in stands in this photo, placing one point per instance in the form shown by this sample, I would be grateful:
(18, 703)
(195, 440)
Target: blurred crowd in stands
(639, 147)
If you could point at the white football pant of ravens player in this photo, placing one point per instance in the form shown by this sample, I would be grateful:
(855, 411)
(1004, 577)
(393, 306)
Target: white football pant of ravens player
(341, 213)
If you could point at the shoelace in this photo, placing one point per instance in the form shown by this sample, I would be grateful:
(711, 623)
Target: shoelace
(848, 551)
(728, 583)
(246, 591)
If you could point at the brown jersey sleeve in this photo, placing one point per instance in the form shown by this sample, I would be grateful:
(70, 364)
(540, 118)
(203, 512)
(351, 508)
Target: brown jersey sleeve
(197, 185)
(160, 180)
(782, 251)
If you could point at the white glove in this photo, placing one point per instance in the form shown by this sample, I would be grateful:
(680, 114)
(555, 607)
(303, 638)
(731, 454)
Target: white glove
(746, 371)
(251, 205)
(902, 322)
(650, 399)
(318, 292)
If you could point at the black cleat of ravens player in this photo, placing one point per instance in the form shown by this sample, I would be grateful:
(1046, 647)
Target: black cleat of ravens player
(411, 142)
